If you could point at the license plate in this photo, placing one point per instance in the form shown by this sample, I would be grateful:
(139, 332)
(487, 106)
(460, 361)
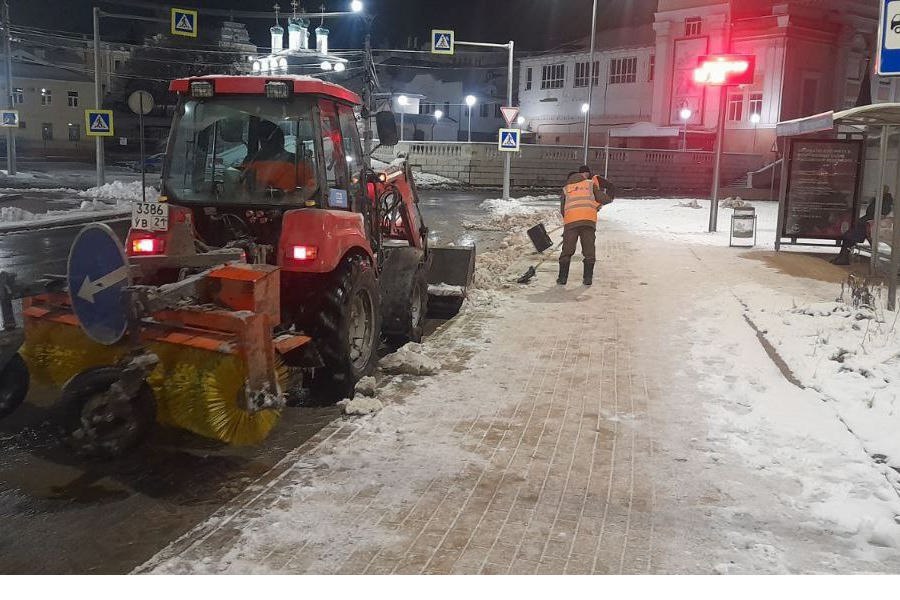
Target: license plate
(150, 216)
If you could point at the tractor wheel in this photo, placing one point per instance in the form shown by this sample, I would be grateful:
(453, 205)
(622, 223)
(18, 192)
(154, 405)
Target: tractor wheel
(347, 329)
(14, 382)
(97, 425)
(404, 292)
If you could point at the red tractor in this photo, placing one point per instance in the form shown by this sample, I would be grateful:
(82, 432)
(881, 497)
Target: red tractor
(274, 247)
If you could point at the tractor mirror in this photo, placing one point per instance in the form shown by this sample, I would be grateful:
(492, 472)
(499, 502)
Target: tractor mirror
(386, 123)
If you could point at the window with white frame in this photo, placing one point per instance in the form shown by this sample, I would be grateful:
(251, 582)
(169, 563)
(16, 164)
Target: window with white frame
(553, 77)
(19, 95)
(581, 74)
(756, 103)
(73, 99)
(46, 97)
(735, 110)
(529, 77)
(623, 70)
(693, 26)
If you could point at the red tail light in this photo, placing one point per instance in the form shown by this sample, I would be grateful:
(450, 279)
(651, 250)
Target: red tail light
(147, 246)
(305, 252)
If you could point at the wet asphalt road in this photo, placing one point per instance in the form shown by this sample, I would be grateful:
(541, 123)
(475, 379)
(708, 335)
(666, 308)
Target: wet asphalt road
(61, 514)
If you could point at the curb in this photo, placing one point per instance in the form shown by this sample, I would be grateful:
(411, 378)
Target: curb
(42, 224)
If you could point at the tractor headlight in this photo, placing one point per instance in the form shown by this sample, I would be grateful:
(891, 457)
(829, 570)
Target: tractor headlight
(278, 89)
(202, 89)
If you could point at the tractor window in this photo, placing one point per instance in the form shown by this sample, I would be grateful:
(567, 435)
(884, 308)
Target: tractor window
(243, 151)
(352, 147)
(336, 176)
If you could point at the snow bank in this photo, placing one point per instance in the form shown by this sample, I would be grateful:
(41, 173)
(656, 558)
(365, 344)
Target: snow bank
(850, 355)
(526, 205)
(13, 214)
(446, 290)
(120, 192)
(409, 360)
(434, 181)
(367, 386)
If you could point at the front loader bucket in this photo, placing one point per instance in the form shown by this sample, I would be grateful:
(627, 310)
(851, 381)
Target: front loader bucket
(449, 279)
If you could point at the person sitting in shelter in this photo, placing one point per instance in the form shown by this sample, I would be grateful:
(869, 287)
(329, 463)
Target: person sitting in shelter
(858, 233)
(273, 167)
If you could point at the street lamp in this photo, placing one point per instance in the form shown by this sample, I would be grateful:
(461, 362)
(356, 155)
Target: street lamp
(755, 118)
(402, 101)
(685, 114)
(356, 6)
(470, 102)
(586, 111)
(438, 115)
(520, 121)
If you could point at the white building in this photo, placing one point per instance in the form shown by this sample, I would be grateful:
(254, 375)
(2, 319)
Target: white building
(811, 57)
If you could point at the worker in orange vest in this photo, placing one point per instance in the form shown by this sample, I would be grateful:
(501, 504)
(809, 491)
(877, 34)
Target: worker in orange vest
(580, 201)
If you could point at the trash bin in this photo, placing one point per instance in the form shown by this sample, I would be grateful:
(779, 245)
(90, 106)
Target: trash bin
(743, 227)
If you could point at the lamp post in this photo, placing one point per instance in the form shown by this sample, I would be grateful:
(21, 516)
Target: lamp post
(438, 115)
(755, 118)
(587, 122)
(470, 102)
(402, 101)
(685, 114)
(586, 111)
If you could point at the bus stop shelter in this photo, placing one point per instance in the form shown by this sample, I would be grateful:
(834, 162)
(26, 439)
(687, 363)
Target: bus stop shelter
(834, 161)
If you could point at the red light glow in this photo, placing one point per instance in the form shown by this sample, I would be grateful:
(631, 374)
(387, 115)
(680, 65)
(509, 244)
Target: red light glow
(724, 70)
(305, 252)
(146, 246)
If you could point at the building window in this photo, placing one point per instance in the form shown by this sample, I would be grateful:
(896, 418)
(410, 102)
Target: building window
(446, 109)
(581, 74)
(693, 27)
(553, 77)
(46, 97)
(735, 107)
(756, 106)
(425, 108)
(529, 77)
(809, 96)
(652, 73)
(117, 64)
(623, 70)
(46, 131)
(498, 114)
(485, 111)
(19, 95)
(74, 132)
(73, 99)
(22, 125)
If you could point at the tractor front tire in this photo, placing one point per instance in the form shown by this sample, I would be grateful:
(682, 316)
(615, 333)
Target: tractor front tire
(14, 381)
(404, 292)
(347, 329)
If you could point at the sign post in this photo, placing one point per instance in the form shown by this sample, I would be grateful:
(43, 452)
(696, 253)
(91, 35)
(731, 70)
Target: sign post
(141, 103)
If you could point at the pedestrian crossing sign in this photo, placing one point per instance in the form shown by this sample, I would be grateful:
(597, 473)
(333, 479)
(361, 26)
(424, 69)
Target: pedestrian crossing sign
(184, 22)
(9, 118)
(443, 41)
(99, 123)
(510, 140)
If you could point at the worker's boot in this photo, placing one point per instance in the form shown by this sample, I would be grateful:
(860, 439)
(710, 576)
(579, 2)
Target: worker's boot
(843, 258)
(563, 274)
(588, 273)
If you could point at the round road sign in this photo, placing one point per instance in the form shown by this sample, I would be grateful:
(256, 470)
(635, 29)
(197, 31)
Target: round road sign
(98, 273)
(141, 102)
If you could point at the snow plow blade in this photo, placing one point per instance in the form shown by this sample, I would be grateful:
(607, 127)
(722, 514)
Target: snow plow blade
(450, 277)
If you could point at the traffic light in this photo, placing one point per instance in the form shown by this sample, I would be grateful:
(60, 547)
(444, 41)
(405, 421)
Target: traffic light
(725, 69)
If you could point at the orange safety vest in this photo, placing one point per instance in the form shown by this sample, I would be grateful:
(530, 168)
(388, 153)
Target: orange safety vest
(580, 203)
(282, 175)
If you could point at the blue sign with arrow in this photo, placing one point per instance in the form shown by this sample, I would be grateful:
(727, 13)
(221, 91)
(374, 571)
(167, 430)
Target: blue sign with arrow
(97, 276)
(889, 38)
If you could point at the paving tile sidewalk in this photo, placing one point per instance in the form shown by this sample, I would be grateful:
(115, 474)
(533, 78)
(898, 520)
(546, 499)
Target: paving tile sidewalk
(556, 441)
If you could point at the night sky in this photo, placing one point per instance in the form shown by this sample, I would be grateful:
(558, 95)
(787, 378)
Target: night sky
(533, 24)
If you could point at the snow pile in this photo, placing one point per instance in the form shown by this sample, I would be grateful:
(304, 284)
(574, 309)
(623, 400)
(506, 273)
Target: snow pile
(446, 290)
(13, 214)
(733, 202)
(409, 360)
(526, 205)
(850, 355)
(666, 219)
(691, 204)
(361, 406)
(434, 181)
(367, 386)
(120, 192)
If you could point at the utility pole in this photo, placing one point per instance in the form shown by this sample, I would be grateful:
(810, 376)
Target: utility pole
(507, 162)
(368, 87)
(7, 50)
(587, 121)
(98, 97)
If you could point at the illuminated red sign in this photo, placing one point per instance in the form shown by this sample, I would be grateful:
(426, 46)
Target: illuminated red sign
(725, 69)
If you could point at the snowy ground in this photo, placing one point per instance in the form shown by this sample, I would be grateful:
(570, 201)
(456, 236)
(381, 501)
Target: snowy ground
(638, 426)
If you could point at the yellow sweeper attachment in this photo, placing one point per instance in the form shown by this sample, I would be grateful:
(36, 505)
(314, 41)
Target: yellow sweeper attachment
(218, 373)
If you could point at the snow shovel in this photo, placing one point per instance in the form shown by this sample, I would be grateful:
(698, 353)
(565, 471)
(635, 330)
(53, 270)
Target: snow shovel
(542, 242)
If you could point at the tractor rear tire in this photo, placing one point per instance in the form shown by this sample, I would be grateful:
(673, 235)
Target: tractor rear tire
(404, 292)
(347, 329)
(14, 381)
(94, 428)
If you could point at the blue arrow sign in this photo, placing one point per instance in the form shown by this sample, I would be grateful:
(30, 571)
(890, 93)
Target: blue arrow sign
(889, 38)
(98, 274)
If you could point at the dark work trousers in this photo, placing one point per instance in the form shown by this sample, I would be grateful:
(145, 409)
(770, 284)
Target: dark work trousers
(588, 237)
